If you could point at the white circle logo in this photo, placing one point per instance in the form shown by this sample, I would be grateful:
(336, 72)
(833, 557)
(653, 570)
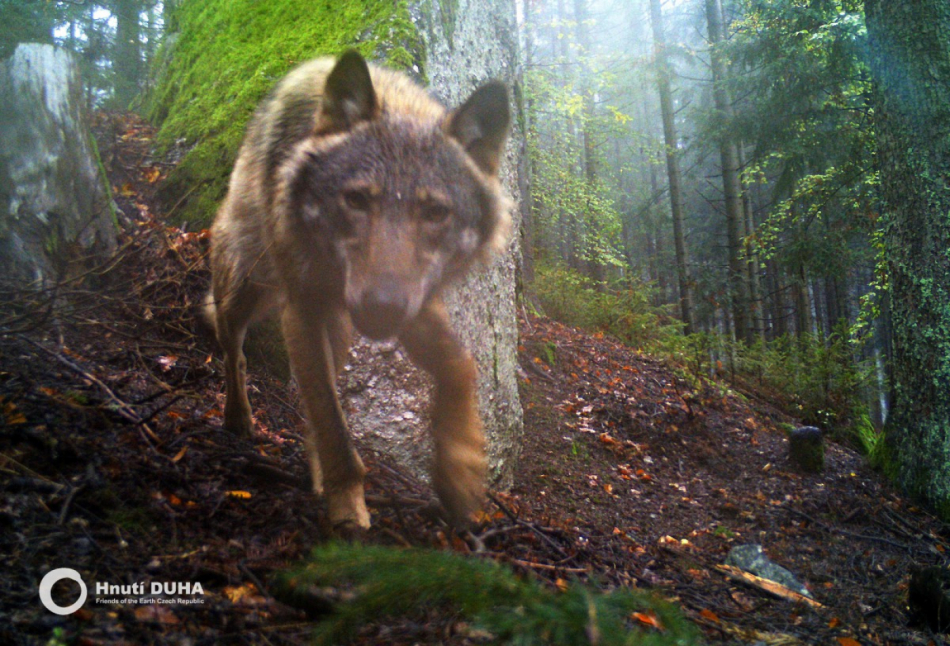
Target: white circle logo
(51, 579)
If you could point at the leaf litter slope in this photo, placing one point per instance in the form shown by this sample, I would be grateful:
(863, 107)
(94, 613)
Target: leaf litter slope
(633, 474)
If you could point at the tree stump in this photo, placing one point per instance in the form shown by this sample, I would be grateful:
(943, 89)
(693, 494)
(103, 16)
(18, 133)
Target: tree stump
(53, 206)
(806, 449)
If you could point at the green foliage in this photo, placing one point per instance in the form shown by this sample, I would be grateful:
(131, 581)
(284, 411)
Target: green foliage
(625, 311)
(225, 55)
(809, 132)
(819, 380)
(576, 215)
(25, 21)
(390, 582)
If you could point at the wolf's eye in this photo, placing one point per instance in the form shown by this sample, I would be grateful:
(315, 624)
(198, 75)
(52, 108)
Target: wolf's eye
(435, 213)
(358, 199)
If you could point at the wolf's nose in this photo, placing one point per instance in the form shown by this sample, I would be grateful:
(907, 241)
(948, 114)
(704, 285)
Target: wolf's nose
(381, 311)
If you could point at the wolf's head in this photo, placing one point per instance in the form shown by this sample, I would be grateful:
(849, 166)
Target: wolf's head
(400, 202)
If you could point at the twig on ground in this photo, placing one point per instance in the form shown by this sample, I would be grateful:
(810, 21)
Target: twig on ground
(69, 501)
(534, 528)
(123, 408)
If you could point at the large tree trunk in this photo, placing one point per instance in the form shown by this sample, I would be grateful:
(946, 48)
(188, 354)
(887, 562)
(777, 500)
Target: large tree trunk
(484, 45)
(53, 208)
(732, 190)
(910, 63)
(672, 167)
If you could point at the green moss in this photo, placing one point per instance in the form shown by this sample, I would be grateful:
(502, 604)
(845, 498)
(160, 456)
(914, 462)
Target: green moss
(449, 15)
(228, 54)
(391, 582)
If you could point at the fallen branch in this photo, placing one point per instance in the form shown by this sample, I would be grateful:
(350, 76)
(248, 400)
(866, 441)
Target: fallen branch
(765, 585)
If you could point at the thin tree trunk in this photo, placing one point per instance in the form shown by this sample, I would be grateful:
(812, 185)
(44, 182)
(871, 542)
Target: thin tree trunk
(779, 303)
(672, 167)
(802, 302)
(583, 39)
(732, 191)
(529, 205)
(573, 239)
(128, 52)
(757, 323)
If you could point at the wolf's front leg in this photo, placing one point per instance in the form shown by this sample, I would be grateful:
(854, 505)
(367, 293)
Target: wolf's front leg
(311, 339)
(459, 470)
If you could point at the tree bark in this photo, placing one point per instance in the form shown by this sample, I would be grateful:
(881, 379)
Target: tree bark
(53, 207)
(672, 167)
(484, 45)
(910, 63)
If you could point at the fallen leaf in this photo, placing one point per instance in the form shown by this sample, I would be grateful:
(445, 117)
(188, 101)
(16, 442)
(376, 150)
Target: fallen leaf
(237, 593)
(151, 175)
(167, 362)
(708, 614)
(848, 641)
(239, 494)
(647, 619)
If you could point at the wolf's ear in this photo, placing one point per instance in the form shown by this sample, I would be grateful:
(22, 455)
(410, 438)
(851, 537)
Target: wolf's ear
(349, 96)
(481, 125)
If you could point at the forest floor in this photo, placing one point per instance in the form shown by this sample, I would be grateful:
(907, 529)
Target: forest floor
(113, 461)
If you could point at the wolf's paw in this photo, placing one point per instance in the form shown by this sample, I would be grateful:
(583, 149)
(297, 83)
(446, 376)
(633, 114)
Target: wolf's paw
(348, 507)
(460, 485)
(348, 532)
(239, 422)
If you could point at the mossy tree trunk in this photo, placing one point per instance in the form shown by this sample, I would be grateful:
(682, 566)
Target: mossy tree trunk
(910, 61)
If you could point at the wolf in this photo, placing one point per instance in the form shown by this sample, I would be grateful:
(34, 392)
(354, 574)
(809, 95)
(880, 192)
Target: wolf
(356, 198)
